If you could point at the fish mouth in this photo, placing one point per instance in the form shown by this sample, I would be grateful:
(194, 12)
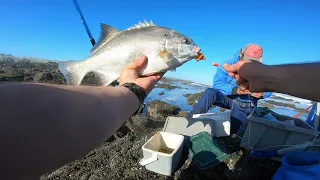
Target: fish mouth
(199, 56)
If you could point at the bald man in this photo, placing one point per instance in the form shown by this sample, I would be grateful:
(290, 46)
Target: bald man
(227, 94)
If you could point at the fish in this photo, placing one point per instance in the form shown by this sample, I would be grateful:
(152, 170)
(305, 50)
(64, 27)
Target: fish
(165, 48)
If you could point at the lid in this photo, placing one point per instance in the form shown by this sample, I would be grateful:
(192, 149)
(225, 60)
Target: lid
(205, 151)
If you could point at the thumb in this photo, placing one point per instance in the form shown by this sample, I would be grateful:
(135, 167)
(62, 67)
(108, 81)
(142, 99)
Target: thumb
(230, 68)
(135, 65)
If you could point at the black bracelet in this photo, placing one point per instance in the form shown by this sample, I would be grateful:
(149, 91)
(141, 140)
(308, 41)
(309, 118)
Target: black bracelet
(139, 92)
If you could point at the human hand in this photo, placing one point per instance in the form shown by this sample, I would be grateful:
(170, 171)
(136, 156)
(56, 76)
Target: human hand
(247, 74)
(257, 95)
(130, 74)
(242, 90)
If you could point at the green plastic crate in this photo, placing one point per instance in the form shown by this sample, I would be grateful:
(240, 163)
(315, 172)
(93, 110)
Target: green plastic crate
(205, 151)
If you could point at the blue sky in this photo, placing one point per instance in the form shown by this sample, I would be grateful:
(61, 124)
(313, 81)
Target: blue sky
(289, 31)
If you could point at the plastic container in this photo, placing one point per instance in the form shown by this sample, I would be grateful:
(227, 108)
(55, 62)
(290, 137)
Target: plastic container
(221, 122)
(299, 165)
(162, 153)
(217, 124)
(187, 126)
(275, 135)
(205, 152)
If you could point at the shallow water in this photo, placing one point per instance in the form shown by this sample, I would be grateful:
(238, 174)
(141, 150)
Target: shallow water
(176, 97)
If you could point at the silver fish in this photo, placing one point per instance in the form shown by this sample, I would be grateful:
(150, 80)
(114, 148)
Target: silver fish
(165, 48)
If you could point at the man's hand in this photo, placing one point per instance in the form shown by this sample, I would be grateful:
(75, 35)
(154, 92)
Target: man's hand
(246, 73)
(257, 95)
(241, 91)
(130, 74)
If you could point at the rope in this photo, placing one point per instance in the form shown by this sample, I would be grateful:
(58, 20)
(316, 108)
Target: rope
(304, 111)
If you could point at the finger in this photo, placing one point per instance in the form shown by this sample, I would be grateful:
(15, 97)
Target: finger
(154, 78)
(240, 80)
(160, 75)
(135, 65)
(232, 74)
(150, 81)
(230, 68)
(244, 86)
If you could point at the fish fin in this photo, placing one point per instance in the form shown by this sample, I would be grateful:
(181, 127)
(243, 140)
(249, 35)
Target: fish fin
(163, 53)
(169, 59)
(106, 32)
(72, 72)
(142, 25)
(102, 78)
(165, 56)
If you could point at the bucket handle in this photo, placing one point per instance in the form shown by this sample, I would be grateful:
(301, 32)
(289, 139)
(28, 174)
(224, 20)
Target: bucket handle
(149, 160)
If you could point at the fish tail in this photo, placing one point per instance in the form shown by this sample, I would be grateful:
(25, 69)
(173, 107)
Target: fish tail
(72, 71)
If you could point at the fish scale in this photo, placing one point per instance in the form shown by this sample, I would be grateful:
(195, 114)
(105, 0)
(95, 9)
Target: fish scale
(165, 48)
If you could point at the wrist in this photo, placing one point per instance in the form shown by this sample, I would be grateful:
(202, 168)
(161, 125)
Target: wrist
(267, 80)
(138, 92)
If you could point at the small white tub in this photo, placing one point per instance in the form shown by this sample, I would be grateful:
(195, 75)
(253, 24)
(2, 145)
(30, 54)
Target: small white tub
(162, 153)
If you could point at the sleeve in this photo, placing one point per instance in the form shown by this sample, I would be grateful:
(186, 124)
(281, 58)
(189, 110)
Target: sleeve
(221, 80)
(267, 95)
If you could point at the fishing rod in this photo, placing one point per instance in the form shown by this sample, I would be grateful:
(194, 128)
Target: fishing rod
(93, 42)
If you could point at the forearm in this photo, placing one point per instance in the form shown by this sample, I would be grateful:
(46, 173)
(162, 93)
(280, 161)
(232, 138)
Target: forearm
(57, 124)
(301, 80)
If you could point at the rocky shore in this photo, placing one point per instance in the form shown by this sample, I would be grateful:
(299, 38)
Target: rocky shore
(118, 157)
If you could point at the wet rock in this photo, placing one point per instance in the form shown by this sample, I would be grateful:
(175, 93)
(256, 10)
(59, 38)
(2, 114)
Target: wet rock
(122, 131)
(138, 122)
(192, 98)
(167, 86)
(90, 79)
(43, 77)
(160, 110)
(276, 103)
(183, 114)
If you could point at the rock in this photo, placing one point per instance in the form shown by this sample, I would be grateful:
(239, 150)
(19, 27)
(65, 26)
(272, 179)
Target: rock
(43, 77)
(192, 98)
(167, 86)
(138, 122)
(183, 114)
(160, 110)
(276, 103)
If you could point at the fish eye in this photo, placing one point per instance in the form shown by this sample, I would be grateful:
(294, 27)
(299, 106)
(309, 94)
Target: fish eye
(187, 41)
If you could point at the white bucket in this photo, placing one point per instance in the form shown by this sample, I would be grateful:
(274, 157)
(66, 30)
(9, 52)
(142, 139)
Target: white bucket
(162, 152)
